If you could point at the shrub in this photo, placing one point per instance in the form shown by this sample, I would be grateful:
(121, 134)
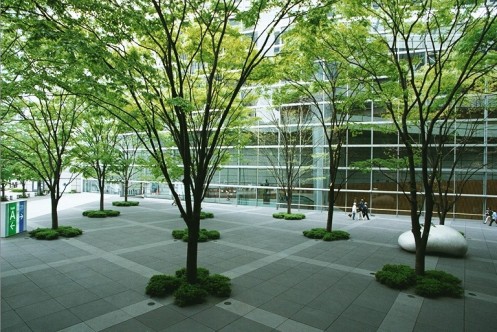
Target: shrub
(213, 235)
(161, 285)
(294, 216)
(112, 213)
(289, 216)
(442, 276)
(18, 190)
(218, 285)
(438, 283)
(203, 236)
(95, 214)
(315, 233)
(205, 215)
(44, 234)
(179, 233)
(125, 203)
(432, 284)
(52, 234)
(396, 276)
(69, 231)
(202, 274)
(101, 213)
(185, 293)
(336, 235)
(321, 233)
(188, 294)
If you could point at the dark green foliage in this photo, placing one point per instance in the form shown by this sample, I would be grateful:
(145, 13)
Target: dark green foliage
(203, 236)
(69, 231)
(442, 276)
(438, 283)
(188, 294)
(52, 234)
(218, 285)
(96, 214)
(202, 273)
(432, 284)
(162, 285)
(112, 213)
(315, 233)
(289, 216)
(44, 234)
(294, 216)
(179, 233)
(125, 203)
(101, 213)
(396, 276)
(321, 233)
(336, 235)
(213, 235)
(205, 215)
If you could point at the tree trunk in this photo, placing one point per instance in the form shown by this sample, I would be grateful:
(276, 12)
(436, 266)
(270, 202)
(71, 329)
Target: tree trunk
(126, 188)
(101, 189)
(331, 205)
(191, 255)
(39, 189)
(101, 200)
(23, 186)
(289, 202)
(3, 191)
(192, 251)
(420, 259)
(54, 203)
(442, 218)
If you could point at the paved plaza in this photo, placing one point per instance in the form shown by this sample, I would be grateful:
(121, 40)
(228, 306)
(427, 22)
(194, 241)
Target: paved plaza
(281, 281)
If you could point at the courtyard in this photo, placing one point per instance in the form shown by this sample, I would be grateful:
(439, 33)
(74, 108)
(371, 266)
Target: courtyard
(281, 281)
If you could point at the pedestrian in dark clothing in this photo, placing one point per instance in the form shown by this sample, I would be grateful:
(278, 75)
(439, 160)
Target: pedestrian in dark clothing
(493, 218)
(360, 209)
(365, 210)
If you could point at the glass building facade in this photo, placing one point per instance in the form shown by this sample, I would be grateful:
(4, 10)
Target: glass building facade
(249, 179)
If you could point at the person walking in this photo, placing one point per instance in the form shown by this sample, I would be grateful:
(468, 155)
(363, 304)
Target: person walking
(493, 218)
(360, 207)
(365, 211)
(354, 210)
(488, 215)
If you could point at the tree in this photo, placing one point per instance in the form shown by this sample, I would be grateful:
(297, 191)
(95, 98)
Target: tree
(40, 137)
(38, 114)
(289, 161)
(125, 163)
(182, 66)
(421, 59)
(95, 148)
(23, 174)
(6, 171)
(332, 87)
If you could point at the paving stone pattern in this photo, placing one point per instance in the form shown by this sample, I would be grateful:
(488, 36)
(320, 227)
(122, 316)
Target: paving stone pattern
(281, 280)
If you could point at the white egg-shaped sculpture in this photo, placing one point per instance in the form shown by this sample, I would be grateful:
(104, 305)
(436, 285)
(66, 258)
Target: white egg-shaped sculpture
(442, 240)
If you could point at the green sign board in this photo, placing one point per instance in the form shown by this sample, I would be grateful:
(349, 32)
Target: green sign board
(11, 219)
